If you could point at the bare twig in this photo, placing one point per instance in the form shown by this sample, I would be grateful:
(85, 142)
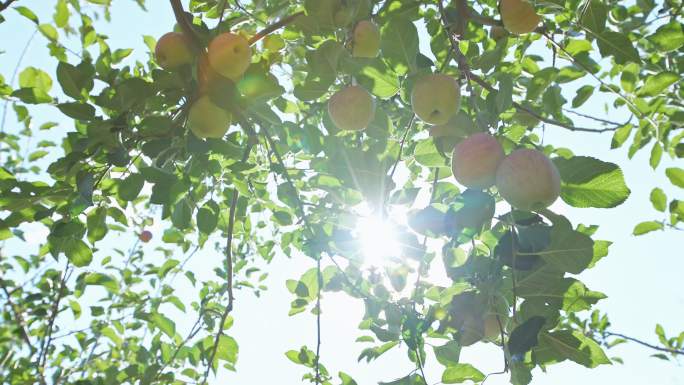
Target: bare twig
(273, 27)
(402, 144)
(638, 341)
(229, 271)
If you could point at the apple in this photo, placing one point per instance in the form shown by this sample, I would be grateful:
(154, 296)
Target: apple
(519, 16)
(528, 180)
(145, 236)
(436, 98)
(206, 76)
(230, 55)
(366, 40)
(207, 120)
(351, 109)
(173, 50)
(474, 161)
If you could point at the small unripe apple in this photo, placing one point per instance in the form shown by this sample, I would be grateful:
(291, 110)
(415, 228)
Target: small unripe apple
(207, 120)
(519, 16)
(366, 40)
(528, 180)
(145, 236)
(474, 161)
(436, 98)
(351, 108)
(173, 51)
(230, 55)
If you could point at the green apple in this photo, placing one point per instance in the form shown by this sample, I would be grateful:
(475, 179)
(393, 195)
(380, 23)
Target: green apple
(474, 161)
(173, 50)
(230, 55)
(351, 108)
(207, 120)
(528, 180)
(366, 40)
(436, 98)
(519, 16)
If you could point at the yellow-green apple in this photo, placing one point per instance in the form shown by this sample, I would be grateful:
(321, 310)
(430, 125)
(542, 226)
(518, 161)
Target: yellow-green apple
(436, 98)
(366, 39)
(230, 55)
(207, 120)
(173, 50)
(475, 159)
(528, 180)
(519, 16)
(351, 108)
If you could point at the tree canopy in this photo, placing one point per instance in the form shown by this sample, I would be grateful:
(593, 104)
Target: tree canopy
(272, 160)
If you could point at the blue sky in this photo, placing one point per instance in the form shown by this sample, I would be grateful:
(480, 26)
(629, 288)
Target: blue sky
(641, 276)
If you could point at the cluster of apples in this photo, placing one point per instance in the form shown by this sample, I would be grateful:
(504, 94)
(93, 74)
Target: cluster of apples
(227, 56)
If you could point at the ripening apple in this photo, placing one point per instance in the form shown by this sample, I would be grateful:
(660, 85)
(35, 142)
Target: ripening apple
(366, 40)
(519, 16)
(528, 180)
(475, 160)
(230, 55)
(173, 50)
(436, 98)
(145, 236)
(351, 109)
(207, 120)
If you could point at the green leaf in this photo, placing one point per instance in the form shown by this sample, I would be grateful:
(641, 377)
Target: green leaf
(78, 111)
(27, 13)
(182, 214)
(668, 37)
(227, 349)
(589, 182)
(49, 32)
(74, 79)
(619, 46)
(656, 155)
(647, 227)
(428, 155)
(659, 199)
(621, 135)
(399, 45)
(166, 325)
(32, 77)
(583, 94)
(448, 354)
(656, 84)
(130, 187)
(573, 345)
(592, 15)
(461, 373)
(676, 176)
(97, 226)
(570, 251)
(61, 16)
(104, 280)
(77, 252)
(207, 217)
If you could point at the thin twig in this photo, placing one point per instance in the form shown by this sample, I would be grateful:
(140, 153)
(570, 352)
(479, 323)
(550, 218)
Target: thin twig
(222, 11)
(47, 340)
(17, 315)
(654, 347)
(3, 6)
(273, 27)
(402, 144)
(229, 271)
(14, 76)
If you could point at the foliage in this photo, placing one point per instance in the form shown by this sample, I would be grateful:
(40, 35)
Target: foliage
(286, 181)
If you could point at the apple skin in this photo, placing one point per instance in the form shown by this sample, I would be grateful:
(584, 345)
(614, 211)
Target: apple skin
(206, 76)
(436, 98)
(366, 40)
(474, 161)
(145, 236)
(519, 16)
(207, 120)
(351, 109)
(528, 180)
(173, 51)
(230, 55)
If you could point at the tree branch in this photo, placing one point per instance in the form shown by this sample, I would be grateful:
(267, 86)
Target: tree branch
(185, 24)
(17, 315)
(654, 347)
(47, 340)
(6, 4)
(273, 27)
(402, 144)
(229, 271)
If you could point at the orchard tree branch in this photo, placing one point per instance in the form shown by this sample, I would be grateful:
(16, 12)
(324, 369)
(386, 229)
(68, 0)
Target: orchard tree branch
(6, 4)
(229, 270)
(274, 27)
(185, 24)
(17, 315)
(646, 344)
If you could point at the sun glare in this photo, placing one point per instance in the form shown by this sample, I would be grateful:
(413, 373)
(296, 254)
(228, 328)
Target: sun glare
(378, 240)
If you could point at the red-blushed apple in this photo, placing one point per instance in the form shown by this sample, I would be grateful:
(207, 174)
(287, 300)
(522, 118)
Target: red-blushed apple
(528, 180)
(474, 161)
(207, 120)
(145, 236)
(436, 98)
(519, 16)
(173, 50)
(366, 40)
(351, 109)
(230, 55)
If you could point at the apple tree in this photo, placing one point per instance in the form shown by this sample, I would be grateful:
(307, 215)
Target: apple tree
(268, 128)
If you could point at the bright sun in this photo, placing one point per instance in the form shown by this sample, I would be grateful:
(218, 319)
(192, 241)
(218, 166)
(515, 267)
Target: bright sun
(378, 240)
